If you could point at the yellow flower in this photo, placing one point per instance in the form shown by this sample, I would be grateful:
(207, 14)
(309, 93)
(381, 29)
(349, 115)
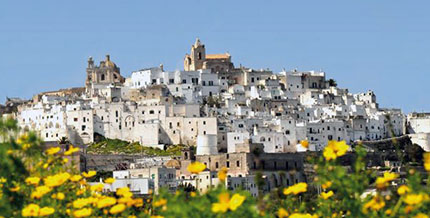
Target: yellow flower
(382, 182)
(30, 210)
(303, 215)
(222, 174)
(81, 202)
(222, 205)
(304, 143)
(296, 189)
(106, 202)
(132, 216)
(421, 215)
(40, 191)
(82, 212)
(80, 192)
(15, 189)
(335, 149)
(388, 211)
(56, 180)
(32, 180)
(413, 199)
(426, 158)
(226, 203)
(75, 178)
(326, 195)
(26, 146)
(97, 188)
(196, 167)
(137, 202)
(71, 150)
(282, 213)
(65, 160)
(109, 180)
(160, 202)
(21, 139)
(376, 203)
(59, 196)
(326, 185)
(53, 150)
(46, 211)
(117, 209)
(124, 192)
(193, 194)
(156, 216)
(236, 201)
(402, 189)
(89, 174)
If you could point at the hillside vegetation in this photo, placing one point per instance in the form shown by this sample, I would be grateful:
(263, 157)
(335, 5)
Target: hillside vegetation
(37, 183)
(116, 146)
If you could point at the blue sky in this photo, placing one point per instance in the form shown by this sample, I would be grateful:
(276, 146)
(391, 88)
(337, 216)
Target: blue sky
(379, 45)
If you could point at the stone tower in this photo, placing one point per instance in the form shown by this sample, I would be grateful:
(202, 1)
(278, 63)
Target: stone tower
(196, 59)
(101, 76)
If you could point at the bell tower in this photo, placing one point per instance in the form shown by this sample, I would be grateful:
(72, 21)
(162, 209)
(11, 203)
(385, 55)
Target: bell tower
(196, 59)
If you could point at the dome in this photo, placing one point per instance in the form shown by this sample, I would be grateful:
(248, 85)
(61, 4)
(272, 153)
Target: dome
(109, 63)
(173, 164)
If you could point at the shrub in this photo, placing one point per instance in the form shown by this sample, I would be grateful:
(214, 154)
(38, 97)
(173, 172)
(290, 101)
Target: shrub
(37, 183)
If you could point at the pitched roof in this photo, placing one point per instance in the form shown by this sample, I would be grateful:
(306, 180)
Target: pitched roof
(217, 56)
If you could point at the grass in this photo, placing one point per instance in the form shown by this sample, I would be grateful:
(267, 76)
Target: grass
(116, 146)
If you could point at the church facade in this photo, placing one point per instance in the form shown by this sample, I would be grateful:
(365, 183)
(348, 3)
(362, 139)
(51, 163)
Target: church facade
(101, 76)
(198, 59)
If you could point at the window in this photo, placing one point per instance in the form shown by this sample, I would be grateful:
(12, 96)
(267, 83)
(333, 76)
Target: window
(216, 165)
(75, 119)
(103, 77)
(151, 112)
(116, 113)
(171, 80)
(238, 163)
(227, 163)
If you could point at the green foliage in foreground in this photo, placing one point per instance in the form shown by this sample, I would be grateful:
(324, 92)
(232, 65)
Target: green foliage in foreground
(31, 181)
(116, 146)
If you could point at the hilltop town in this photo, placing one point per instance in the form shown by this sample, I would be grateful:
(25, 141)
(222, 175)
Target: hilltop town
(247, 120)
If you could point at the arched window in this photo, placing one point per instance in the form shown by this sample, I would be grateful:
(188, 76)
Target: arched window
(103, 77)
